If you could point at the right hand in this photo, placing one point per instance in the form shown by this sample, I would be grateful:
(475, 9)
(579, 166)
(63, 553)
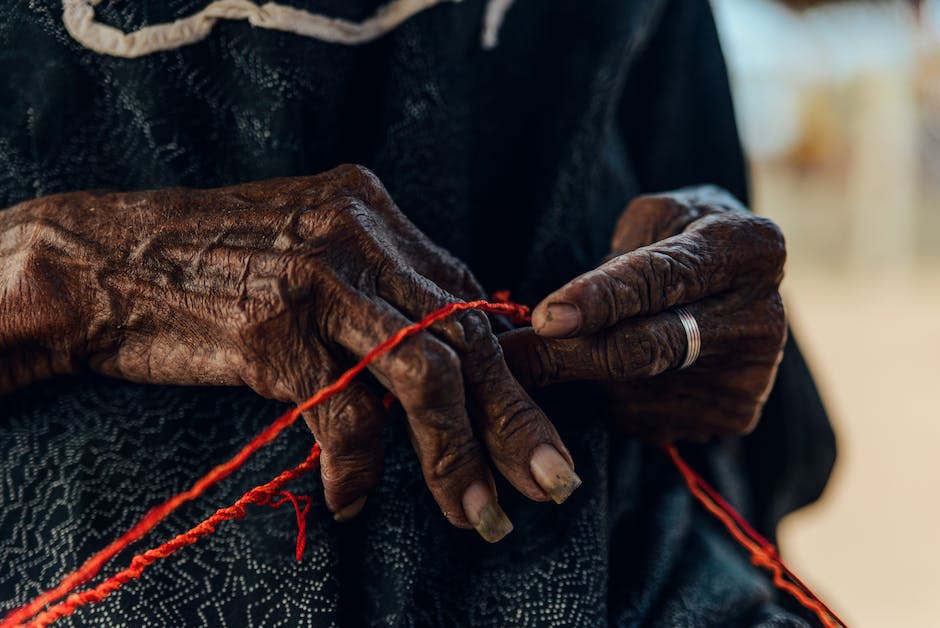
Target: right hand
(282, 285)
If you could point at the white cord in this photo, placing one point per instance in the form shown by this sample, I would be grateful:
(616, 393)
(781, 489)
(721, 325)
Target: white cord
(79, 19)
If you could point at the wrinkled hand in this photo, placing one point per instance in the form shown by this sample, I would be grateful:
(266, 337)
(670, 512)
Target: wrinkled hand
(697, 248)
(282, 285)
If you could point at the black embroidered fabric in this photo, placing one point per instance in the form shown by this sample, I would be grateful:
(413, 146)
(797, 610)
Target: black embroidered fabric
(518, 160)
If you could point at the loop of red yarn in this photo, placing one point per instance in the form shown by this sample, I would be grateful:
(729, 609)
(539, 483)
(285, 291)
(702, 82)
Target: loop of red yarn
(272, 494)
(301, 506)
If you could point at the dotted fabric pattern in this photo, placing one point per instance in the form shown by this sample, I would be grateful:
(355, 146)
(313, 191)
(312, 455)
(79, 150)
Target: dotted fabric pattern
(87, 456)
(527, 143)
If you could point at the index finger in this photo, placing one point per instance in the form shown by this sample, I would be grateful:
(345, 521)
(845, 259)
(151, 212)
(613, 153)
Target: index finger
(722, 252)
(520, 439)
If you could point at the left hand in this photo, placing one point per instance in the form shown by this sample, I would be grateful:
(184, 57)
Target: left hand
(698, 248)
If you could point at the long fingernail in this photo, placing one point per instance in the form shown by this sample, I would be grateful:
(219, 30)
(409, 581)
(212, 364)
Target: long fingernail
(484, 514)
(553, 473)
(348, 512)
(561, 319)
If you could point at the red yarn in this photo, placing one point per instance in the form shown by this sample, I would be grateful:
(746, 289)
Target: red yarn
(301, 513)
(93, 565)
(763, 553)
(260, 495)
(271, 494)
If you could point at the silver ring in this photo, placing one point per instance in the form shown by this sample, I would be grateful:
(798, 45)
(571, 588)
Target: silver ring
(692, 336)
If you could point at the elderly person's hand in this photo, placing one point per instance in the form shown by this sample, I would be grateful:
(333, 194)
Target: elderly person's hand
(696, 248)
(280, 285)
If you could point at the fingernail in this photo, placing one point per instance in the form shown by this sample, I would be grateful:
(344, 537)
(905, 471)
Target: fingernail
(561, 319)
(348, 512)
(553, 473)
(484, 514)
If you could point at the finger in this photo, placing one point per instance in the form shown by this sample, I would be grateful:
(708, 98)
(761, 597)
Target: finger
(709, 406)
(435, 263)
(446, 271)
(654, 217)
(648, 346)
(521, 441)
(428, 258)
(425, 376)
(348, 429)
(631, 350)
(442, 269)
(722, 252)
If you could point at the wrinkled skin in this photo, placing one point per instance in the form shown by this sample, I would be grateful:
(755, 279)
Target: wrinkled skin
(697, 248)
(280, 285)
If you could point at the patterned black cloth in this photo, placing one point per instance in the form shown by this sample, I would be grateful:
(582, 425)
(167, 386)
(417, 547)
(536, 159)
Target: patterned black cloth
(518, 160)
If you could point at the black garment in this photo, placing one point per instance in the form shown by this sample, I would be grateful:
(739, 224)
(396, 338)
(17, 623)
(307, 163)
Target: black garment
(518, 160)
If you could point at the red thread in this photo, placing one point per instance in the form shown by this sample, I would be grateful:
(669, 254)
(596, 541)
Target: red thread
(763, 553)
(260, 496)
(93, 565)
(520, 314)
(301, 513)
(271, 494)
(154, 516)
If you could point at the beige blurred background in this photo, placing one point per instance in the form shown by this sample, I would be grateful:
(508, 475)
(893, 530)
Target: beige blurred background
(839, 107)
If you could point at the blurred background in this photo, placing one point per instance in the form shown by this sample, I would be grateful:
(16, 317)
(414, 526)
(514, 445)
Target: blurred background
(839, 108)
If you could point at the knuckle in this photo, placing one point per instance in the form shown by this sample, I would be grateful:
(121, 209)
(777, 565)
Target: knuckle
(647, 219)
(352, 423)
(477, 336)
(343, 217)
(630, 279)
(540, 365)
(327, 216)
(530, 359)
(350, 474)
(355, 234)
(350, 214)
(262, 295)
(628, 356)
(361, 182)
(303, 277)
(266, 381)
(368, 278)
(299, 272)
(357, 174)
(23, 268)
(710, 199)
(422, 366)
(767, 238)
(670, 278)
(257, 379)
(517, 420)
(766, 230)
(602, 290)
(641, 357)
(651, 205)
(456, 458)
(609, 355)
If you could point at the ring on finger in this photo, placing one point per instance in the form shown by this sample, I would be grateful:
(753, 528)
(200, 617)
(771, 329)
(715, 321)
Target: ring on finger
(692, 336)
